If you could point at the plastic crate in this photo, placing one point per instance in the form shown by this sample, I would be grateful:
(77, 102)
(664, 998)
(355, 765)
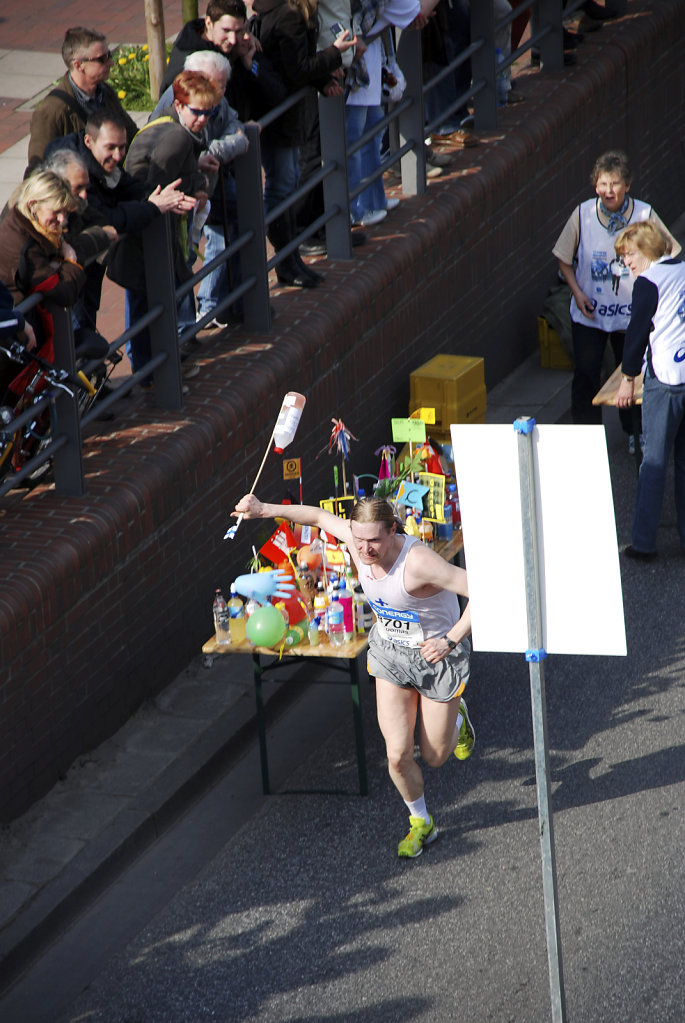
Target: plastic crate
(553, 355)
(454, 385)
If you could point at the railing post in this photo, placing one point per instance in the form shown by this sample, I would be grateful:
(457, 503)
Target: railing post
(250, 199)
(548, 13)
(413, 163)
(68, 460)
(161, 290)
(484, 66)
(336, 185)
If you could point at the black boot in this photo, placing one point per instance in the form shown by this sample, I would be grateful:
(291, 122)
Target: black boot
(291, 270)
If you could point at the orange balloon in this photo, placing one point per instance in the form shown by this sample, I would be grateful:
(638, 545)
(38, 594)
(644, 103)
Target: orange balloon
(307, 558)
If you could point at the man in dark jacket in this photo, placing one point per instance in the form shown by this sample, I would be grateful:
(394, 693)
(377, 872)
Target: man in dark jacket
(254, 88)
(81, 91)
(115, 198)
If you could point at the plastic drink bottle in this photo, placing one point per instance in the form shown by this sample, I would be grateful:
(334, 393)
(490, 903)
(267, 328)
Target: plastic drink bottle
(347, 600)
(445, 528)
(314, 632)
(288, 420)
(336, 626)
(362, 612)
(236, 610)
(295, 634)
(426, 532)
(221, 619)
(320, 605)
(456, 511)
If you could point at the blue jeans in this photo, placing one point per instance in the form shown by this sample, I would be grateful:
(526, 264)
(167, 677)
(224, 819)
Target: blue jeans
(281, 172)
(663, 424)
(216, 286)
(138, 348)
(366, 160)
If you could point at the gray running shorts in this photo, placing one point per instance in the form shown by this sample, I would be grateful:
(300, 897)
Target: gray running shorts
(407, 668)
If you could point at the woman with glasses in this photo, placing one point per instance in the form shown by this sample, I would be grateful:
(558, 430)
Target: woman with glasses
(172, 146)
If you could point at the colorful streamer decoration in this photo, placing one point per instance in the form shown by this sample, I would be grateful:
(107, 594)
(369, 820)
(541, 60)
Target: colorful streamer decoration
(387, 453)
(340, 439)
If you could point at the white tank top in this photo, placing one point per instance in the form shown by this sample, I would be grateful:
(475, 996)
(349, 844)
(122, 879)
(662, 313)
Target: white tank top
(667, 339)
(597, 276)
(403, 619)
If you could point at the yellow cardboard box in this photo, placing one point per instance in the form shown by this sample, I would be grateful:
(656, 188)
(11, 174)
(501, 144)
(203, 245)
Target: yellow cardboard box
(454, 385)
(553, 355)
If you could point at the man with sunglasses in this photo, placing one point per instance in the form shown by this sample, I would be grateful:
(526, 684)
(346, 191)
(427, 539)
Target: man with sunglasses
(81, 92)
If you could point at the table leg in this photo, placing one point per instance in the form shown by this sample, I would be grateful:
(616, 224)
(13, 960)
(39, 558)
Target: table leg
(261, 724)
(358, 728)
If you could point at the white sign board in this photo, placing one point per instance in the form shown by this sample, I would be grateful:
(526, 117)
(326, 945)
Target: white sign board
(580, 580)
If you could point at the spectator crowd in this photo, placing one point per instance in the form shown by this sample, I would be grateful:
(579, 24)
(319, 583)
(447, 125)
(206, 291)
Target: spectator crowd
(94, 181)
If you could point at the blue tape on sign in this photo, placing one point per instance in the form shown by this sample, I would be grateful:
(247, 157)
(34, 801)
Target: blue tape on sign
(524, 425)
(536, 655)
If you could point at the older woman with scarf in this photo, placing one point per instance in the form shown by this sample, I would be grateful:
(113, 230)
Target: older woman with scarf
(600, 298)
(35, 256)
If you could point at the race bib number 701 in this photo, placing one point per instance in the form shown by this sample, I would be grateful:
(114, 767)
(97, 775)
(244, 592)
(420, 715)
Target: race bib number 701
(400, 627)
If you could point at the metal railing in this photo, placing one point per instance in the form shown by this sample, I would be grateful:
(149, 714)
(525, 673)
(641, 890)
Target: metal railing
(407, 130)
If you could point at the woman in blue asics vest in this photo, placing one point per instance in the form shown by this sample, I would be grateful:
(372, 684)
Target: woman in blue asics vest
(655, 342)
(601, 288)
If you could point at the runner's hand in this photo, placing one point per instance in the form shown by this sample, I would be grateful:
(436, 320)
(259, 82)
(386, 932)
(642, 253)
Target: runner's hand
(249, 507)
(435, 649)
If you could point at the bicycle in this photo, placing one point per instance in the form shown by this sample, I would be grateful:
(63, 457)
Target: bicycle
(18, 445)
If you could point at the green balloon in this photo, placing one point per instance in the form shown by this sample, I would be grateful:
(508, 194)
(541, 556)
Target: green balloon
(266, 626)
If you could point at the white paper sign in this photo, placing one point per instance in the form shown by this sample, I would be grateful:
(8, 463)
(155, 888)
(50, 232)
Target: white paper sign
(580, 580)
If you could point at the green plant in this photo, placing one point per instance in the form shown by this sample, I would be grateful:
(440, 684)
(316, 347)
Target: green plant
(130, 76)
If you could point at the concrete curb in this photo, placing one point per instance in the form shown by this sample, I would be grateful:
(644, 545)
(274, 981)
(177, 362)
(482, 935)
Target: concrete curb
(151, 813)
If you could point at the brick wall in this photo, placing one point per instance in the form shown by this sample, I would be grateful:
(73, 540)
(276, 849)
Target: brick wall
(104, 598)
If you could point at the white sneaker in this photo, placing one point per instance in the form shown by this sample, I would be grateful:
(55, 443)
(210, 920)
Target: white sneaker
(370, 218)
(391, 204)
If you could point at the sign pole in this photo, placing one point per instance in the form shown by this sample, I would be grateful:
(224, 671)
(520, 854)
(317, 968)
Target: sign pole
(535, 656)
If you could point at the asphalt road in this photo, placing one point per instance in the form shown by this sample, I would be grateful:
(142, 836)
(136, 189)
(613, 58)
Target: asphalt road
(296, 908)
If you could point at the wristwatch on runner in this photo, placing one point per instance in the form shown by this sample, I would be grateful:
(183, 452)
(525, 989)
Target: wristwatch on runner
(450, 643)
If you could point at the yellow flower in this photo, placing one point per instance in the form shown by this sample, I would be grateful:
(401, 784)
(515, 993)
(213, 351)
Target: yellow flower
(122, 60)
(121, 94)
(131, 56)
(145, 47)
(146, 57)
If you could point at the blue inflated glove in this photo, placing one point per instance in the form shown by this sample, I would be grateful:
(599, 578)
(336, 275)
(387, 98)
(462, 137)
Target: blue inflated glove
(262, 585)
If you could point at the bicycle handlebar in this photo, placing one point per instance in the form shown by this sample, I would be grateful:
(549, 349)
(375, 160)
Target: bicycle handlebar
(58, 377)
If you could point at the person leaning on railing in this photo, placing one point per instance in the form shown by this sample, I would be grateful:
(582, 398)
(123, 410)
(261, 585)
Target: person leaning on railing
(288, 34)
(170, 148)
(35, 256)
